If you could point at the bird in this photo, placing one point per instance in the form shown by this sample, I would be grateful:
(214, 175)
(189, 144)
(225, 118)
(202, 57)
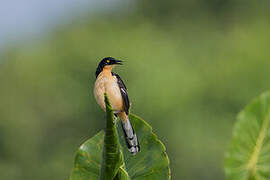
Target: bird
(110, 83)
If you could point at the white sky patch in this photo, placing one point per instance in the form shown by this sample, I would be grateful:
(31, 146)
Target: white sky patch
(27, 18)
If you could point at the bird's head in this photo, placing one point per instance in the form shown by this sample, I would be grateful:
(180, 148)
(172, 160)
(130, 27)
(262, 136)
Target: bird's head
(107, 63)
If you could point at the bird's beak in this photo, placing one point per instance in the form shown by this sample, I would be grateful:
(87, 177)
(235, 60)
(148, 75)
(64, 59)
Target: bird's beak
(118, 62)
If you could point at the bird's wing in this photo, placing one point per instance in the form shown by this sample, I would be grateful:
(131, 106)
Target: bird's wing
(123, 91)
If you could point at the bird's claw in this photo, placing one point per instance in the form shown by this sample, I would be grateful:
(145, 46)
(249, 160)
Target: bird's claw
(114, 119)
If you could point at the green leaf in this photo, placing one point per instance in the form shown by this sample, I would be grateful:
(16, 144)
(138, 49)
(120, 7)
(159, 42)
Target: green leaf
(112, 156)
(116, 162)
(249, 155)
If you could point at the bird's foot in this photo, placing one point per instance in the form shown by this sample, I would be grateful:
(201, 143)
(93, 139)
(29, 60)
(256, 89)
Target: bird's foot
(114, 119)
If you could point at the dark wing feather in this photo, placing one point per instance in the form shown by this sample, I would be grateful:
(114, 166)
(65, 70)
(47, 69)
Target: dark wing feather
(123, 91)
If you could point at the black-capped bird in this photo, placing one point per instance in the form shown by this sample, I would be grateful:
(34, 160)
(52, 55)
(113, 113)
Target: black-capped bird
(110, 83)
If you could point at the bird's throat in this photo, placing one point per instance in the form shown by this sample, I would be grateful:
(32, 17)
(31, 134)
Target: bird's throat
(108, 69)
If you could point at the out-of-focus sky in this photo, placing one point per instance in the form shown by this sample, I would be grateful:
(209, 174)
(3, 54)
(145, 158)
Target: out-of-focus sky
(26, 18)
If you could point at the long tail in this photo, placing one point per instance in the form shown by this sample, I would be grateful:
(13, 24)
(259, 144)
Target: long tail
(130, 136)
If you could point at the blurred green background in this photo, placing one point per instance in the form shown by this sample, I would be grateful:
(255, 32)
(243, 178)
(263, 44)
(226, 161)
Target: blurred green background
(190, 66)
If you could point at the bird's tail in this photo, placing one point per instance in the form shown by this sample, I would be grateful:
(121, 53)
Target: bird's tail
(130, 136)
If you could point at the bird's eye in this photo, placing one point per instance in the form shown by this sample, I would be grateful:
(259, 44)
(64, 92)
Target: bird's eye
(108, 61)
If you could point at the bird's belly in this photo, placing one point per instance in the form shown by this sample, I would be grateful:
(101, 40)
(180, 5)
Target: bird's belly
(112, 90)
(115, 97)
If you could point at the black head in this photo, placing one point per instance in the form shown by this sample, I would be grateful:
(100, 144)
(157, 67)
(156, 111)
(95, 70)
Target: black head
(107, 61)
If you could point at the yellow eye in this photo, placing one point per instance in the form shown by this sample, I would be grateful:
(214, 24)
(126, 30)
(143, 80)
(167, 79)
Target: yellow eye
(108, 61)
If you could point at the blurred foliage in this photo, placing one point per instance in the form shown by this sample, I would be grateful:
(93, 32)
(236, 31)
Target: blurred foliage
(221, 10)
(249, 157)
(188, 78)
